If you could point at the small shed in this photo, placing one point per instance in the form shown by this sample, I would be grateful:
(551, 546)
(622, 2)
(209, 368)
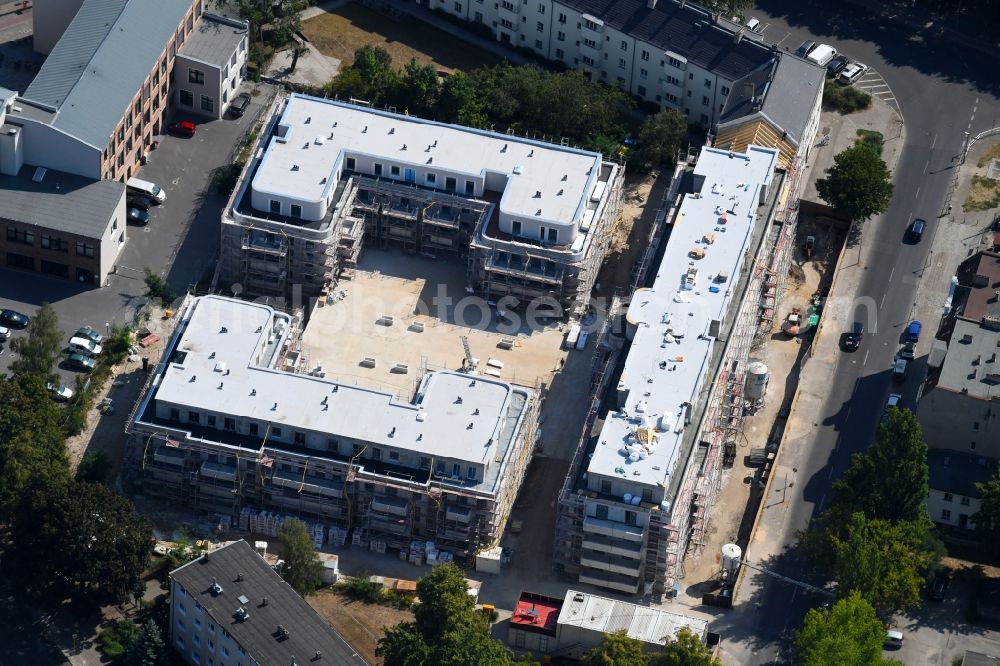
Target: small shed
(331, 570)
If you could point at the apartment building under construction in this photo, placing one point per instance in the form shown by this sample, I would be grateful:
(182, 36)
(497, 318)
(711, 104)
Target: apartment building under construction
(638, 491)
(221, 428)
(524, 219)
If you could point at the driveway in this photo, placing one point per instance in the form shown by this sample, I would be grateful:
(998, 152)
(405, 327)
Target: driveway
(180, 242)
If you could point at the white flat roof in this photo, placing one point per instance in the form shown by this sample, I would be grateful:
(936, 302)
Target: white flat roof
(462, 415)
(556, 180)
(671, 351)
(650, 625)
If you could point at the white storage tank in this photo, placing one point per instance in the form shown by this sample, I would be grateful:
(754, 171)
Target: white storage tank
(757, 376)
(731, 554)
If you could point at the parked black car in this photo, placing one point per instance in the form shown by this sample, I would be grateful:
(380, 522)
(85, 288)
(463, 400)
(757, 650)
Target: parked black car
(939, 586)
(837, 65)
(13, 319)
(853, 339)
(138, 216)
(239, 105)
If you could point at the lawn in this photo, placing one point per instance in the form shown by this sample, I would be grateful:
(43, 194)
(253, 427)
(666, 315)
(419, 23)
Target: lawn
(358, 622)
(984, 194)
(341, 32)
(992, 153)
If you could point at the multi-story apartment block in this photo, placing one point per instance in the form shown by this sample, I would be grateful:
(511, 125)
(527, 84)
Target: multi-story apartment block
(228, 607)
(954, 499)
(959, 408)
(665, 52)
(630, 501)
(220, 427)
(211, 65)
(528, 219)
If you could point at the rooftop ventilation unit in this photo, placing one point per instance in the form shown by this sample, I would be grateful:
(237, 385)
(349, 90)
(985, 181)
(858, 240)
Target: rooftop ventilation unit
(241, 614)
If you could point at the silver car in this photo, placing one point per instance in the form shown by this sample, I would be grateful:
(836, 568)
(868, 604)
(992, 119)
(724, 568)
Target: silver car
(852, 73)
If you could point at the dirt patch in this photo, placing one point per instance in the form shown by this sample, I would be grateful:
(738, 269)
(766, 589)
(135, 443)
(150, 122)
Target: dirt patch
(991, 153)
(340, 32)
(359, 623)
(640, 203)
(984, 194)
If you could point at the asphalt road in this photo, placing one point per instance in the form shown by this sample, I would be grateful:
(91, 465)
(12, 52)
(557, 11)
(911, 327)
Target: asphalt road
(942, 92)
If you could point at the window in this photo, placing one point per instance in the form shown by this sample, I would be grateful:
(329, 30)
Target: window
(947, 497)
(553, 235)
(691, 76)
(22, 236)
(470, 187)
(300, 438)
(601, 512)
(605, 486)
(349, 163)
(425, 463)
(229, 424)
(193, 417)
(175, 414)
(515, 227)
(458, 7)
(378, 169)
(276, 432)
(964, 501)
(945, 514)
(708, 83)
(479, 16)
(630, 517)
(540, 27)
(431, 178)
(275, 206)
(506, 4)
(394, 456)
(621, 63)
(211, 420)
(643, 73)
(624, 45)
(705, 100)
(376, 453)
(641, 90)
(507, 24)
(588, 61)
(296, 210)
(252, 428)
(196, 76)
(673, 80)
(562, 18)
(472, 473)
(725, 90)
(674, 62)
(560, 53)
(561, 36)
(590, 42)
(186, 98)
(456, 470)
(450, 183)
(644, 55)
(84, 249)
(207, 103)
(589, 25)
(541, 9)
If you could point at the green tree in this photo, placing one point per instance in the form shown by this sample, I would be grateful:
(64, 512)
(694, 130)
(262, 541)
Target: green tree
(446, 630)
(617, 649)
(419, 88)
(890, 480)
(148, 648)
(303, 570)
(374, 80)
(32, 447)
(459, 102)
(156, 286)
(37, 352)
(987, 519)
(858, 185)
(729, 7)
(660, 137)
(686, 649)
(79, 540)
(849, 634)
(886, 563)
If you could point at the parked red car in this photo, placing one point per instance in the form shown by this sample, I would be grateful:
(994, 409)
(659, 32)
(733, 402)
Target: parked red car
(183, 128)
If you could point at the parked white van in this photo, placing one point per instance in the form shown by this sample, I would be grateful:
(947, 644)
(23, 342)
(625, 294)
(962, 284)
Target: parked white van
(822, 55)
(753, 24)
(84, 346)
(151, 190)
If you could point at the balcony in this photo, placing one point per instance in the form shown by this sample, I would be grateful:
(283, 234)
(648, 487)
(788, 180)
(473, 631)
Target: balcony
(169, 456)
(390, 506)
(619, 565)
(611, 581)
(612, 546)
(309, 484)
(459, 514)
(510, 10)
(611, 528)
(217, 471)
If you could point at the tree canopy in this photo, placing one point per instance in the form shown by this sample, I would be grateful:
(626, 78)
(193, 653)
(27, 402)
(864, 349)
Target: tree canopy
(987, 519)
(660, 137)
(447, 630)
(148, 649)
(847, 633)
(618, 649)
(890, 480)
(303, 570)
(527, 99)
(858, 185)
(37, 352)
(32, 448)
(78, 540)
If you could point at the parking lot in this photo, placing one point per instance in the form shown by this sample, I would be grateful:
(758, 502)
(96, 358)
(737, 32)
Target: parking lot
(180, 242)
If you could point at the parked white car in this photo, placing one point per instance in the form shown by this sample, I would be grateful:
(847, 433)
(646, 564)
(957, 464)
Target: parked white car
(60, 392)
(4, 333)
(852, 73)
(84, 346)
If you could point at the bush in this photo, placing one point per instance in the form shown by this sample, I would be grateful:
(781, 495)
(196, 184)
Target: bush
(361, 588)
(94, 468)
(845, 99)
(224, 178)
(115, 639)
(875, 140)
(156, 287)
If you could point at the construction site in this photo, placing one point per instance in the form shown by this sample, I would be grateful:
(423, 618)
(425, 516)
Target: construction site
(669, 396)
(525, 220)
(229, 424)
